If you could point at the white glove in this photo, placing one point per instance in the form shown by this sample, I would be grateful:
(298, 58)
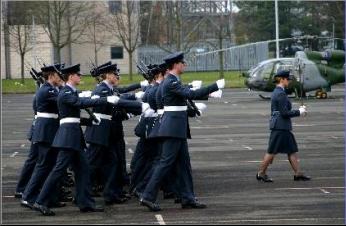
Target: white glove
(113, 99)
(216, 94)
(129, 115)
(149, 113)
(139, 95)
(95, 97)
(220, 83)
(145, 106)
(302, 110)
(144, 83)
(201, 106)
(196, 84)
(85, 94)
(98, 120)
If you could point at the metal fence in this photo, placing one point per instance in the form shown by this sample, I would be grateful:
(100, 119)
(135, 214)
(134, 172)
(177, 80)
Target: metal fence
(234, 58)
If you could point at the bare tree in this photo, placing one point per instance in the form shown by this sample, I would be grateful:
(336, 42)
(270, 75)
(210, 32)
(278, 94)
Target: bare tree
(64, 22)
(20, 41)
(96, 32)
(125, 26)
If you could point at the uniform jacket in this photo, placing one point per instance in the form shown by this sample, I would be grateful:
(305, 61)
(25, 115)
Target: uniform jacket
(281, 110)
(46, 102)
(175, 124)
(70, 135)
(31, 130)
(101, 134)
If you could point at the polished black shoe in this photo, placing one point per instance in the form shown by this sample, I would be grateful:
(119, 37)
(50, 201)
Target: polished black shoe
(168, 195)
(44, 210)
(26, 204)
(18, 195)
(136, 194)
(264, 178)
(301, 178)
(115, 201)
(66, 199)
(193, 205)
(91, 209)
(154, 207)
(125, 195)
(57, 205)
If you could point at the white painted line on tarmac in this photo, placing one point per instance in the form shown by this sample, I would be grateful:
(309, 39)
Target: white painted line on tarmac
(14, 154)
(130, 151)
(126, 142)
(159, 219)
(8, 196)
(303, 125)
(248, 147)
(334, 137)
(22, 146)
(324, 191)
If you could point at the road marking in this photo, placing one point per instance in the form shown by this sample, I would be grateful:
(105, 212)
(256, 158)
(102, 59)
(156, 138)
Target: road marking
(126, 142)
(14, 154)
(8, 196)
(22, 146)
(130, 150)
(303, 125)
(324, 191)
(247, 147)
(159, 219)
(334, 137)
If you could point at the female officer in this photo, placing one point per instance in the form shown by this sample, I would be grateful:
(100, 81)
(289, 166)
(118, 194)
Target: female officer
(281, 138)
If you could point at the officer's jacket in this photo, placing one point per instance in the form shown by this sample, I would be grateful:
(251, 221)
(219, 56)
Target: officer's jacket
(31, 130)
(46, 102)
(70, 135)
(151, 96)
(281, 110)
(100, 134)
(175, 123)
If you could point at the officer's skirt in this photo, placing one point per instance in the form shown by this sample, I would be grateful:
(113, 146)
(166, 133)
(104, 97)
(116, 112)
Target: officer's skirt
(282, 141)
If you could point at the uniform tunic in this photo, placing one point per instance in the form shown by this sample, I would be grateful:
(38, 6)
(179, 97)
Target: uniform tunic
(281, 138)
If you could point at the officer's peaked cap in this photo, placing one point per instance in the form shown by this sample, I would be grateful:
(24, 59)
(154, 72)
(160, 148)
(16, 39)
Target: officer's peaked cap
(174, 58)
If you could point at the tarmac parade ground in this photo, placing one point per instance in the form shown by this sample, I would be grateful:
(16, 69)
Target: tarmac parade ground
(228, 143)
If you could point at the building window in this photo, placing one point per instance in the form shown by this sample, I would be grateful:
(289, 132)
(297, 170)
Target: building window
(117, 52)
(114, 7)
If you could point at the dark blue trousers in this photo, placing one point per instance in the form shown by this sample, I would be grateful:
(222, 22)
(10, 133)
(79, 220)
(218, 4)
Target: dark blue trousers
(28, 168)
(174, 157)
(45, 162)
(121, 153)
(106, 160)
(139, 162)
(77, 160)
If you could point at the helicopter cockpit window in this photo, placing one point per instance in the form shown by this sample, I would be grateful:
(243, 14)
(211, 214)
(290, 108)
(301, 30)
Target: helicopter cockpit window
(266, 71)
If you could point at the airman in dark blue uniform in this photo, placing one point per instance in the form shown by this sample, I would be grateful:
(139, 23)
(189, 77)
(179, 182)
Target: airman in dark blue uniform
(281, 138)
(30, 163)
(174, 129)
(101, 154)
(117, 128)
(69, 140)
(146, 149)
(46, 125)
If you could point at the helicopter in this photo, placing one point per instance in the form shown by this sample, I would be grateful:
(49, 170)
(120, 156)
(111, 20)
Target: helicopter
(311, 70)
